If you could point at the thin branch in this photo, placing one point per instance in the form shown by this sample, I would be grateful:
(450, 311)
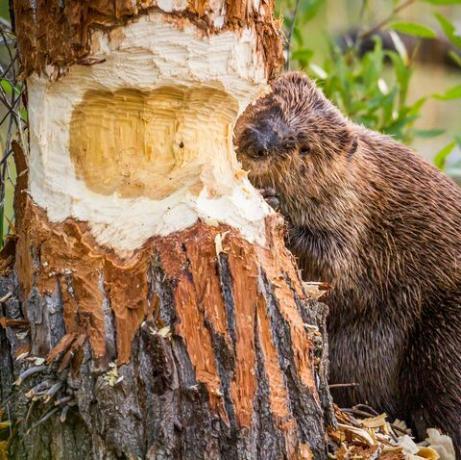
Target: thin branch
(290, 33)
(386, 20)
(343, 385)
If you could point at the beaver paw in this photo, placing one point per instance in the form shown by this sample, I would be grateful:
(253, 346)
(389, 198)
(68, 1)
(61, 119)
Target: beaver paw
(271, 197)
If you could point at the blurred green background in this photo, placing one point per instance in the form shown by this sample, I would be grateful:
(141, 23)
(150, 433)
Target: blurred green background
(7, 128)
(407, 83)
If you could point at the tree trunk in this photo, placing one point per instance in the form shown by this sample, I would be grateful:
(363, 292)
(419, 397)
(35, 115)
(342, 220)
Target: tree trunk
(155, 311)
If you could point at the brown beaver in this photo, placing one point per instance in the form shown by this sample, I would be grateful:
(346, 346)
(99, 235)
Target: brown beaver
(383, 227)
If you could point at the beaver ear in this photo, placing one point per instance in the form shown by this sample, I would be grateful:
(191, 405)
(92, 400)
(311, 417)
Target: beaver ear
(352, 145)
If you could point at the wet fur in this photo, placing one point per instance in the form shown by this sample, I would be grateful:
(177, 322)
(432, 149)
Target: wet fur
(382, 226)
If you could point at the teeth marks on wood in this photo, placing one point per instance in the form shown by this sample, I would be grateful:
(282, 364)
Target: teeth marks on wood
(51, 35)
(244, 273)
(126, 285)
(190, 326)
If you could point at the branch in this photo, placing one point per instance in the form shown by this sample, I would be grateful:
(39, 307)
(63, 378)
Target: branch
(386, 20)
(290, 33)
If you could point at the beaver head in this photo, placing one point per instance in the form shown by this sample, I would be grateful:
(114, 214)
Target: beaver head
(296, 142)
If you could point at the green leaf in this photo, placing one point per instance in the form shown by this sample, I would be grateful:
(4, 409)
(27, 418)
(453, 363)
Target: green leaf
(318, 71)
(414, 29)
(303, 55)
(449, 29)
(310, 9)
(24, 114)
(417, 106)
(429, 133)
(298, 36)
(443, 2)
(440, 158)
(6, 85)
(452, 93)
(400, 47)
(455, 57)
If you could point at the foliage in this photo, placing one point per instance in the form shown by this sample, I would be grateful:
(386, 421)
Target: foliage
(13, 120)
(371, 86)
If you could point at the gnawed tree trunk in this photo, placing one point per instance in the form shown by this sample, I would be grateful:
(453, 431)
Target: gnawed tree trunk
(149, 274)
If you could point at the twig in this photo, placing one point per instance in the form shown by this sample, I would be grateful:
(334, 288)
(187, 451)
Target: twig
(366, 407)
(343, 385)
(358, 412)
(384, 22)
(28, 372)
(63, 416)
(6, 297)
(53, 390)
(63, 400)
(43, 419)
(290, 33)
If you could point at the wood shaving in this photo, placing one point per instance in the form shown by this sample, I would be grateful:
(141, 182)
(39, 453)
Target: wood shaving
(361, 434)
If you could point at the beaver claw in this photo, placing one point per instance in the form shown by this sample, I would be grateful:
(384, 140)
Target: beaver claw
(271, 197)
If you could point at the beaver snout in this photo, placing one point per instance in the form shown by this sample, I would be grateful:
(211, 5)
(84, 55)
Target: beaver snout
(259, 141)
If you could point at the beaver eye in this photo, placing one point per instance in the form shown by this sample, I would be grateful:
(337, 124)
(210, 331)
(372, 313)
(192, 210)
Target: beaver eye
(304, 150)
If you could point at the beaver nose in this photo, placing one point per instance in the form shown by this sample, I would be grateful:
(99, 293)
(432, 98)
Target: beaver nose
(261, 153)
(265, 139)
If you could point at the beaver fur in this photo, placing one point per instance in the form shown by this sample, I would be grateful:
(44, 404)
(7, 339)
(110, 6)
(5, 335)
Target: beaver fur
(383, 227)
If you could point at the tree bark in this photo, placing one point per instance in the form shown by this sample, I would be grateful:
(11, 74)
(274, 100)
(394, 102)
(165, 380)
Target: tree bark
(152, 310)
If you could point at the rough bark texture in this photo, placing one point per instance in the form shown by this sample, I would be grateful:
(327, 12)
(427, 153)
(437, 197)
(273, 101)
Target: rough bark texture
(222, 363)
(198, 344)
(58, 33)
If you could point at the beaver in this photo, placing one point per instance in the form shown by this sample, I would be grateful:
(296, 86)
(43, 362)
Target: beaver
(383, 228)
